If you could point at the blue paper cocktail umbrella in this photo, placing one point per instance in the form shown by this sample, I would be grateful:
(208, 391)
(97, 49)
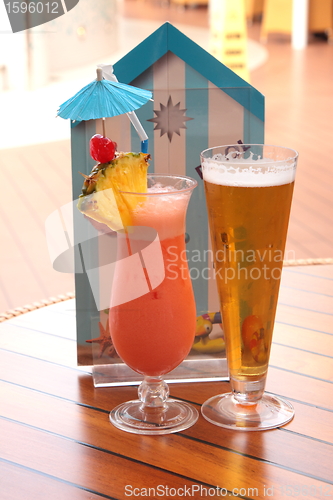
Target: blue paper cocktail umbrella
(104, 98)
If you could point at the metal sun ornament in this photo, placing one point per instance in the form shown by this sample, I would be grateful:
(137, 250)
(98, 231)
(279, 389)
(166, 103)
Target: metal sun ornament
(170, 119)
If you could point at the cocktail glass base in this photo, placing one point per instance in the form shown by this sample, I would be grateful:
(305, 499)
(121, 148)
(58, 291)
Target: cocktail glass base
(268, 413)
(133, 417)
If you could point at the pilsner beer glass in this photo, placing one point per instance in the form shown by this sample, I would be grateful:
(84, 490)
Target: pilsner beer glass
(249, 191)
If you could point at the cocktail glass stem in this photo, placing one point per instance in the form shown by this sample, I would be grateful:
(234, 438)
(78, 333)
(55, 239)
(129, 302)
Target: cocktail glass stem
(153, 392)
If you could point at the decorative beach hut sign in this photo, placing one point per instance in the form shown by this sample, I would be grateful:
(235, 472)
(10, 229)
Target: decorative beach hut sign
(197, 103)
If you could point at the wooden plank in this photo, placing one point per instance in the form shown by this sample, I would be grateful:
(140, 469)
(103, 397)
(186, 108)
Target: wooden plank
(96, 470)
(39, 345)
(315, 207)
(18, 482)
(301, 243)
(293, 386)
(44, 411)
(113, 396)
(300, 278)
(302, 362)
(322, 271)
(46, 193)
(305, 340)
(312, 422)
(4, 293)
(17, 267)
(296, 245)
(303, 299)
(319, 221)
(51, 184)
(306, 419)
(44, 376)
(214, 464)
(311, 234)
(280, 448)
(306, 319)
(299, 387)
(20, 370)
(52, 349)
(25, 343)
(56, 319)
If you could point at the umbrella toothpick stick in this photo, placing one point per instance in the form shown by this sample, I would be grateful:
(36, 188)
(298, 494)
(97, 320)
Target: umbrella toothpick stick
(99, 78)
(107, 71)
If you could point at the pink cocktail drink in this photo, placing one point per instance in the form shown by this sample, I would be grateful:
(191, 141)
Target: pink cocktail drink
(154, 333)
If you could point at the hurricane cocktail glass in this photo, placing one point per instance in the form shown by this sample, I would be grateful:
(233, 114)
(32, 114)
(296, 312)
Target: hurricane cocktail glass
(154, 332)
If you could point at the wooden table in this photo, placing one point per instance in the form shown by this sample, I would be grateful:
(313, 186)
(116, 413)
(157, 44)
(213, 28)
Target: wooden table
(57, 443)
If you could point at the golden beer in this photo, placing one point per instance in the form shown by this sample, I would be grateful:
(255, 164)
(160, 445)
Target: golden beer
(249, 228)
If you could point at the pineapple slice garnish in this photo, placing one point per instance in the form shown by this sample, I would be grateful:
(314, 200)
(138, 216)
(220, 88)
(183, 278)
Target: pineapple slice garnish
(102, 196)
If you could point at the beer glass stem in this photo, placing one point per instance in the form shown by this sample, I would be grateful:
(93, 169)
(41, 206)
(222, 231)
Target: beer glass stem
(248, 392)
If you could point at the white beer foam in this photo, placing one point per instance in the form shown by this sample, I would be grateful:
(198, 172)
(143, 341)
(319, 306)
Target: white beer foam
(259, 173)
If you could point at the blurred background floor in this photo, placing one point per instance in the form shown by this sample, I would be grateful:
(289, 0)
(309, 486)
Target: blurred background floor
(35, 149)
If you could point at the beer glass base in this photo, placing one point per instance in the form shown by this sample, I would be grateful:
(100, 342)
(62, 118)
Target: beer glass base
(268, 413)
(132, 417)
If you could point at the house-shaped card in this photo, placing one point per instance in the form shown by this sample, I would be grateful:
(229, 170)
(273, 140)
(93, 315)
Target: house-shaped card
(197, 103)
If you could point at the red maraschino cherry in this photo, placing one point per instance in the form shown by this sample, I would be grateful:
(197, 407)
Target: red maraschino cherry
(102, 149)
